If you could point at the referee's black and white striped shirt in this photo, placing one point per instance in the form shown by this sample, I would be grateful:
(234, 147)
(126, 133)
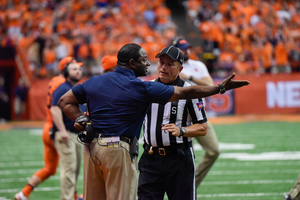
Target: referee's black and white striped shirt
(183, 113)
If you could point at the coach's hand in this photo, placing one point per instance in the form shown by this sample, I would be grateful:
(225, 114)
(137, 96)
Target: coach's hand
(229, 84)
(81, 121)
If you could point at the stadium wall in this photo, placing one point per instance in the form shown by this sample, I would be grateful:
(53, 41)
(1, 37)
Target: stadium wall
(267, 94)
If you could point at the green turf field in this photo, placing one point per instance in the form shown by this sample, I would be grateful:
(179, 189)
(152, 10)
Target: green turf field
(258, 160)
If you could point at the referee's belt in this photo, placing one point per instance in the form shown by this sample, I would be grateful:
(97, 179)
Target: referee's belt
(112, 141)
(166, 150)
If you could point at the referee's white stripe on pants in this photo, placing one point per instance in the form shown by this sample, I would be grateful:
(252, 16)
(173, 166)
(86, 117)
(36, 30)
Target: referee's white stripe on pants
(194, 179)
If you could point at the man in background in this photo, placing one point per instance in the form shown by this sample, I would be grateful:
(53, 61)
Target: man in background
(20, 99)
(4, 101)
(65, 138)
(197, 73)
(50, 154)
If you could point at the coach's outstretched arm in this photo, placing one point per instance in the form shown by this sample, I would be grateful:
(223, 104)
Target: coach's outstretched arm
(193, 92)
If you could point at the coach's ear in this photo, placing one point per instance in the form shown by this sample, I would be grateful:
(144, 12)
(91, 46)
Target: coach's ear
(131, 64)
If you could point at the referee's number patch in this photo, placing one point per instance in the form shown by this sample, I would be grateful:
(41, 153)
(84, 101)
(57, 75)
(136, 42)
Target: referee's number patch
(199, 105)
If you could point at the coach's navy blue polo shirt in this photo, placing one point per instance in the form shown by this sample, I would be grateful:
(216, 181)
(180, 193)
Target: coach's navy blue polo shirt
(59, 92)
(118, 101)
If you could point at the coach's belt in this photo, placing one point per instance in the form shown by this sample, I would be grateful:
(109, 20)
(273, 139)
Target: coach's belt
(112, 141)
(167, 150)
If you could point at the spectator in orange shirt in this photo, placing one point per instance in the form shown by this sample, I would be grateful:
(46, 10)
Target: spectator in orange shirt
(266, 57)
(226, 59)
(242, 66)
(49, 57)
(281, 56)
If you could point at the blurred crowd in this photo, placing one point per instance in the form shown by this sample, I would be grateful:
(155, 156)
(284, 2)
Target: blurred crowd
(45, 31)
(248, 36)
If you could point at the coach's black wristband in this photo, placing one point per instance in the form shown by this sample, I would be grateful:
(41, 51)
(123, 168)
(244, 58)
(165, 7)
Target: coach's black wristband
(222, 89)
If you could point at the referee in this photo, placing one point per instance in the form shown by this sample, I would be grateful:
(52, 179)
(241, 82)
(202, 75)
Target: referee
(167, 164)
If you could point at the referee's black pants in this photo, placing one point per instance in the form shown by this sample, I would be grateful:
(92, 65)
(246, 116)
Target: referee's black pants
(173, 174)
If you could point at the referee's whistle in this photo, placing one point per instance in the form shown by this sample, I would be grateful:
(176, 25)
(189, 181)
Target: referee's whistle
(150, 151)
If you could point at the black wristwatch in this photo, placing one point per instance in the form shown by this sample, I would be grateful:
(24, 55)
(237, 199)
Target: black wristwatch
(182, 131)
(191, 78)
(222, 89)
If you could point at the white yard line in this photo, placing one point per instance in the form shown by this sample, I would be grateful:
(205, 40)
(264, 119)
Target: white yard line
(247, 182)
(18, 171)
(263, 156)
(212, 172)
(13, 180)
(43, 189)
(219, 163)
(222, 163)
(243, 172)
(244, 182)
(241, 195)
(226, 195)
(21, 164)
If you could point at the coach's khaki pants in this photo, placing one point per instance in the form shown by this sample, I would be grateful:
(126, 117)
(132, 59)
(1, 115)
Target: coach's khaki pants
(109, 172)
(69, 160)
(210, 144)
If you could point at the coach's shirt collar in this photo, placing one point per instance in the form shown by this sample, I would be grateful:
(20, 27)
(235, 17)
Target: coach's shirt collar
(125, 71)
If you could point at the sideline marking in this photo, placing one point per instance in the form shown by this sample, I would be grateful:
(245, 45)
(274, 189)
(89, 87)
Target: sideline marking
(238, 195)
(243, 172)
(222, 163)
(242, 195)
(227, 146)
(21, 164)
(247, 182)
(44, 189)
(279, 155)
(36, 131)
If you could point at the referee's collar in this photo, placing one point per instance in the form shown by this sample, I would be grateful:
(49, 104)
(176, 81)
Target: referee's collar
(175, 82)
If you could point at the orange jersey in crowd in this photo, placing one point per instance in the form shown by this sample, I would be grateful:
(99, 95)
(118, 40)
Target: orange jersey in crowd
(53, 85)
(281, 54)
